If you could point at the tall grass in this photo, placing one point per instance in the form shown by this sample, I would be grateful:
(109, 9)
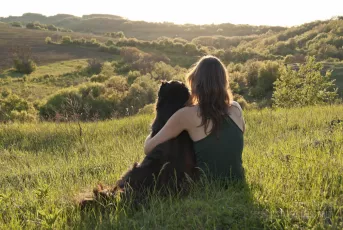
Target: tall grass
(293, 160)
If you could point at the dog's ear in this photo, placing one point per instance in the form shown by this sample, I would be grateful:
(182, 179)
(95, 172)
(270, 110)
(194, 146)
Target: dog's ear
(163, 82)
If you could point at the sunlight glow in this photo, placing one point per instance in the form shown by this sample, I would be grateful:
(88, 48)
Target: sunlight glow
(261, 12)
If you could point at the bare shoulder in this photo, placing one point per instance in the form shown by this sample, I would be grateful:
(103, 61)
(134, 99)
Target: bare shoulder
(236, 114)
(188, 111)
(235, 109)
(188, 116)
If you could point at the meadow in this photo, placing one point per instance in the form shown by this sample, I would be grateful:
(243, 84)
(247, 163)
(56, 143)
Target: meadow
(65, 125)
(292, 157)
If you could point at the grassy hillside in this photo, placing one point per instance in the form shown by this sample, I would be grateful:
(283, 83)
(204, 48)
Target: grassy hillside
(43, 53)
(292, 158)
(46, 80)
(98, 23)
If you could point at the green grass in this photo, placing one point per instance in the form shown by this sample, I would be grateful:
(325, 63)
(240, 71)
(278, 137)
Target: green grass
(293, 160)
(57, 68)
(46, 79)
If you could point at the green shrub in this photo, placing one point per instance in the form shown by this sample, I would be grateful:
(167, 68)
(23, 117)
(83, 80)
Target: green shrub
(99, 78)
(163, 71)
(16, 24)
(117, 83)
(109, 43)
(238, 82)
(251, 68)
(88, 101)
(267, 75)
(24, 66)
(142, 92)
(30, 25)
(14, 108)
(5, 92)
(304, 87)
(48, 40)
(132, 76)
(94, 66)
(66, 40)
(52, 28)
(107, 69)
(23, 60)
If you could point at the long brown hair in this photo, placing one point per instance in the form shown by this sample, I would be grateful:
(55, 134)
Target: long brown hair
(209, 83)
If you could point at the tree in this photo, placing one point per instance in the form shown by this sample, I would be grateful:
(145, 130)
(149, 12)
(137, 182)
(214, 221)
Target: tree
(304, 87)
(23, 59)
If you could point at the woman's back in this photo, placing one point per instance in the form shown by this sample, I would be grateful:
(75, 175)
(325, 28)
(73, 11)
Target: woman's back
(219, 153)
(214, 122)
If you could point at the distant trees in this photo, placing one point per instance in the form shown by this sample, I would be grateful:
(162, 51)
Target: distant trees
(39, 26)
(66, 40)
(94, 66)
(112, 98)
(304, 87)
(119, 34)
(16, 24)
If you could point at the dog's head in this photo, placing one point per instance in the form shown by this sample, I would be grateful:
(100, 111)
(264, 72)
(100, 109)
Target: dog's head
(172, 96)
(172, 93)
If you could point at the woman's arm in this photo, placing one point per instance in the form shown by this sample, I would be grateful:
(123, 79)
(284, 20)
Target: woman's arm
(174, 126)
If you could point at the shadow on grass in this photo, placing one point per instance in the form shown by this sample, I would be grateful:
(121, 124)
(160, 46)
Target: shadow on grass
(210, 205)
(11, 73)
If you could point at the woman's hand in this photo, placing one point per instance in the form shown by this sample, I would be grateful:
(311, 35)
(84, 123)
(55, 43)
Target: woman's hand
(174, 126)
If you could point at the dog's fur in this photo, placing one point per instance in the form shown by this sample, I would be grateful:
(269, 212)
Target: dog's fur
(168, 166)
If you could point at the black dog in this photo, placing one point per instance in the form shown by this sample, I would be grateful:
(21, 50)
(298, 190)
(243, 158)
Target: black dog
(168, 166)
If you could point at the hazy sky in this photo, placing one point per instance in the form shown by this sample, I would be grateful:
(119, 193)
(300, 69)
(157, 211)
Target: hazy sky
(257, 12)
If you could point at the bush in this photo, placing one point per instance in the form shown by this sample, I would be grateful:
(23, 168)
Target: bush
(5, 92)
(99, 78)
(252, 68)
(16, 24)
(163, 71)
(22, 59)
(142, 92)
(289, 59)
(132, 76)
(94, 66)
(109, 43)
(48, 40)
(52, 28)
(87, 102)
(238, 82)
(305, 87)
(66, 40)
(267, 75)
(117, 83)
(130, 54)
(24, 66)
(14, 108)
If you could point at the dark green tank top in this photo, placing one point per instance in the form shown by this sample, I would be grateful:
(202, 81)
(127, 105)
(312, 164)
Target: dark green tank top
(221, 155)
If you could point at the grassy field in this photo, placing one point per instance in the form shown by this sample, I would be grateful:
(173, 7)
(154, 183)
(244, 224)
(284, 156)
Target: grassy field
(46, 80)
(43, 53)
(293, 160)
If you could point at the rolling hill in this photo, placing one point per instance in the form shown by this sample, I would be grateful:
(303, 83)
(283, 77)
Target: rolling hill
(100, 24)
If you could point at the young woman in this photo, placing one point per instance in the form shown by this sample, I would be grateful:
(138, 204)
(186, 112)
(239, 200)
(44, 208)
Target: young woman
(214, 122)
